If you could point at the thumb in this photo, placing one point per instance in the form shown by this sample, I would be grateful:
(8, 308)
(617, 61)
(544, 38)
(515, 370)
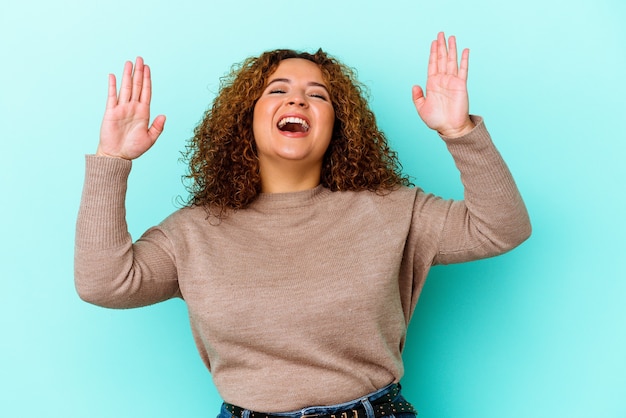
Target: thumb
(157, 127)
(418, 97)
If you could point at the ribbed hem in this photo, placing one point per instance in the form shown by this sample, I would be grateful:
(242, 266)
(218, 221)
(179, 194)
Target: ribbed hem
(102, 214)
(269, 201)
(476, 156)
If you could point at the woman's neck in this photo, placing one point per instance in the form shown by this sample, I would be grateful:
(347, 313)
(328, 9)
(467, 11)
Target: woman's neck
(289, 178)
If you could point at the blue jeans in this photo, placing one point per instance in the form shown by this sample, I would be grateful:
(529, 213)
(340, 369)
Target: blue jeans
(364, 402)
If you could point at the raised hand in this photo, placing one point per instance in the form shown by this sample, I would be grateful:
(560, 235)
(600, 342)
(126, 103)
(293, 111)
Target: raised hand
(125, 131)
(445, 107)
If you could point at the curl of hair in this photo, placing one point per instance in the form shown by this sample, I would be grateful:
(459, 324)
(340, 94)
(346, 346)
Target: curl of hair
(223, 165)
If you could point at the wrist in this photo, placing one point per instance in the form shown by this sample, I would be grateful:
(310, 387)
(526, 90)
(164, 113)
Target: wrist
(463, 130)
(100, 153)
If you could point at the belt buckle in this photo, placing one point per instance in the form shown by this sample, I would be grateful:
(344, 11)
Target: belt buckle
(344, 414)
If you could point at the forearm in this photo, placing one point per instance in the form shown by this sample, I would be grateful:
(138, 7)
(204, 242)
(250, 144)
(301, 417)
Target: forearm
(492, 218)
(109, 270)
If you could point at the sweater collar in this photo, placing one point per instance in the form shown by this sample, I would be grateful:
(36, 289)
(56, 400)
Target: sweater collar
(302, 198)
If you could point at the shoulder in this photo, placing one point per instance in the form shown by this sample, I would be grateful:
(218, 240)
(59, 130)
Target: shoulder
(394, 203)
(185, 217)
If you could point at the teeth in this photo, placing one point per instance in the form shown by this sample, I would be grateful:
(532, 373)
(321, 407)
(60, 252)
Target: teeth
(293, 119)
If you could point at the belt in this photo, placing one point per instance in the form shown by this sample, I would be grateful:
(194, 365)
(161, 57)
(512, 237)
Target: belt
(383, 407)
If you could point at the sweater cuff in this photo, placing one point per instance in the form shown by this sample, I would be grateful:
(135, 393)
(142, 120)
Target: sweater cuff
(108, 167)
(101, 217)
(478, 129)
(477, 140)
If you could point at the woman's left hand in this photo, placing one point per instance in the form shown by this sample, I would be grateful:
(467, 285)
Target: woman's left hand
(445, 107)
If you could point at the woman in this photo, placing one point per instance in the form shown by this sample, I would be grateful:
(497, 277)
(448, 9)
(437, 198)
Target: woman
(302, 252)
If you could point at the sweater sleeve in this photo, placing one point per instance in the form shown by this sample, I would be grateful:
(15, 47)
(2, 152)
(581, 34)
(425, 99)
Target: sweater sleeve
(109, 270)
(492, 218)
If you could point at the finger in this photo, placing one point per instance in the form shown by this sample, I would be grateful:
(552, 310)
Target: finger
(146, 91)
(432, 59)
(452, 64)
(137, 79)
(463, 69)
(442, 53)
(126, 87)
(157, 127)
(112, 92)
(418, 97)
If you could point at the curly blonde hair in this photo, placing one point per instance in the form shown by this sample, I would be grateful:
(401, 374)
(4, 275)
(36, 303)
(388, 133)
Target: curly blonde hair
(222, 157)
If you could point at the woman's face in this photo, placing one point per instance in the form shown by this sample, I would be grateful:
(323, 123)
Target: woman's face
(294, 117)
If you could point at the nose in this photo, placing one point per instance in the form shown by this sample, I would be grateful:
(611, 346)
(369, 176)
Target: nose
(297, 99)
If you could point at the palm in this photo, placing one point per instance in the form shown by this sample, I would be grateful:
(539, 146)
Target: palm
(125, 130)
(445, 107)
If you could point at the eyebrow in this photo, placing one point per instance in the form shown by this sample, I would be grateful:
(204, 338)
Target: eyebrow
(288, 81)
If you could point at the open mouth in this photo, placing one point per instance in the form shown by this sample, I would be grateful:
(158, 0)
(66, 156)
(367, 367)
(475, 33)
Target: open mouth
(293, 124)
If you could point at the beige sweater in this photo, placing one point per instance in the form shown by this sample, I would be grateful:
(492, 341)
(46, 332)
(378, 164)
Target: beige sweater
(304, 298)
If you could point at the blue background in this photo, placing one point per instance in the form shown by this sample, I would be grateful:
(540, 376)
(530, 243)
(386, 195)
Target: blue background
(538, 332)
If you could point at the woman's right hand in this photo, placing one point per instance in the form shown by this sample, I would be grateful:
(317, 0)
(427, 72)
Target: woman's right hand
(125, 131)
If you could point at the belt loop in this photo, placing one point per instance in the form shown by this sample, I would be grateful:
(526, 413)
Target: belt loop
(369, 410)
(245, 413)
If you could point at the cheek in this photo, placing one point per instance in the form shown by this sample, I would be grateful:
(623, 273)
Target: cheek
(330, 123)
(263, 107)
